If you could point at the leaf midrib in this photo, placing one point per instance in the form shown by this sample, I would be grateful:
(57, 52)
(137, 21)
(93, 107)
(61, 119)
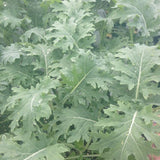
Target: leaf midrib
(130, 135)
(76, 86)
(45, 59)
(35, 153)
(139, 75)
(140, 13)
(85, 119)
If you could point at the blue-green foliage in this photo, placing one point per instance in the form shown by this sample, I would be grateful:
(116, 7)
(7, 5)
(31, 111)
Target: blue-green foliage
(79, 79)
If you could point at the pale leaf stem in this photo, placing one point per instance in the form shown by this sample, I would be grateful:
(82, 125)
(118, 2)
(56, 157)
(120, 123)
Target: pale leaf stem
(139, 75)
(129, 132)
(32, 155)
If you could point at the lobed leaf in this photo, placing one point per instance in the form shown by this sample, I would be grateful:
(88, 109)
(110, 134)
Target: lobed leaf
(31, 149)
(140, 14)
(29, 105)
(11, 53)
(85, 79)
(36, 34)
(7, 18)
(133, 132)
(73, 26)
(80, 120)
(136, 68)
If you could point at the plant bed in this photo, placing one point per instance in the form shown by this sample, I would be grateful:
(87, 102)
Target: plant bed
(79, 79)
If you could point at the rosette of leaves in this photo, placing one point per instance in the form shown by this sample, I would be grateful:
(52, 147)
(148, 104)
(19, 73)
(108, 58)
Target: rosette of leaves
(73, 27)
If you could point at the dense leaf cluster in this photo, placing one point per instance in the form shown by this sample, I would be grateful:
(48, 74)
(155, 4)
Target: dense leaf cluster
(79, 79)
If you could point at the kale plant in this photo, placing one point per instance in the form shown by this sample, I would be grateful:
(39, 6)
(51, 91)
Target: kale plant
(79, 79)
